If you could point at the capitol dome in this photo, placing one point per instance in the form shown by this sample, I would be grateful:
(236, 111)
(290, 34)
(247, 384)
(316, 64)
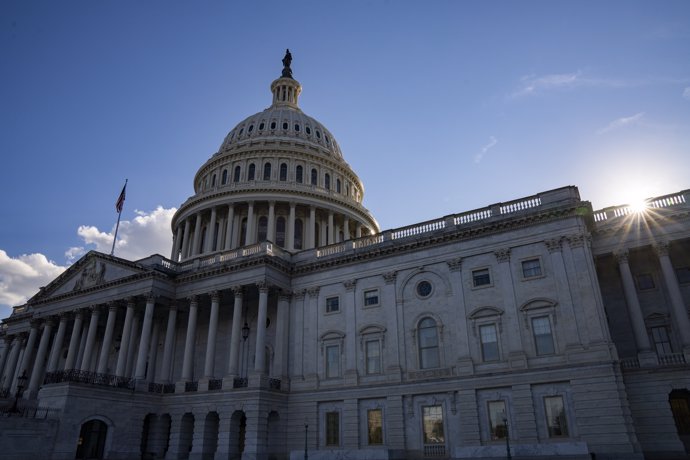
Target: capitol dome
(278, 176)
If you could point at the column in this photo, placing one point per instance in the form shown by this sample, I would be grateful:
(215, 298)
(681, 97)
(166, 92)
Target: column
(271, 234)
(185, 240)
(74, 341)
(574, 325)
(678, 308)
(358, 230)
(90, 339)
(229, 223)
(311, 234)
(636, 318)
(282, 327)
(465, 364)
(121, 366)
(189, 342)
(210, 231)
(323, 232)
(176, 245)
(197, 236)
(235, 334)
(310, 344)
(153, 353)
(346, 228)
(29, 348)
(107, 339)
(3, 353)
(211, 340)
(516, 352)
(290, 231)
(140, 370)
(134, 334)
(237, 233)
(250, 237)
(168, 346)
(331, 228)
(349, 310)
(11, 365)
(57, 343)
(260, 358)
(37, 372)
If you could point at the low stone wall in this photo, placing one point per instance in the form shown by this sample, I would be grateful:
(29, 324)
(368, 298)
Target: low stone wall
(27, 438)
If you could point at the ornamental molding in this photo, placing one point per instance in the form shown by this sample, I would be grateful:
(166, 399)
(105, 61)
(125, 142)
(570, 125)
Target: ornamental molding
(661, 248)
(455, 265)
(553, 245)
(92, 275)
(390, 277)
(502, 255)
(313, 292)
(350, 285)
(621, 256)
(575, 241)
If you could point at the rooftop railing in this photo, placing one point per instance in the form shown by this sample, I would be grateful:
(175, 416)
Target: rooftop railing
(674, 200)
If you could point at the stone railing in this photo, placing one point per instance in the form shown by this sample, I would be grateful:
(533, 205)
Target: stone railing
(666, 360)
(92, 378)
(674, 200)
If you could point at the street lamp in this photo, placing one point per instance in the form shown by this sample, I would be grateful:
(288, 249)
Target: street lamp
(21, 381)
(505, 423)
(306, 428)
(245, 336)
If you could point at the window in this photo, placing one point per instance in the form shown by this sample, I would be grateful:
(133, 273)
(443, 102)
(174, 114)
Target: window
(296, 127)
(428, 344)
(662, 344)
(318, 134)
(432, 421)
(224, 177)
(327, 181)
(267, 171)
(314, 176)
(374, 427)
(298, 234)
(236, 175)
(489, 342)
(373, 351)
(543, 339)
(683, 275)
(497, 426)
(285, 125)
(556, 423)
(263, 228)
(332, 361)
(261, 126)
(273, 125)
(424, 289)
(298, 175)
(371, 297)
(481, 277)
(531, 268)
(337, 185)
(283, 171)
(280, 231)
(308, 130)
(213, 181)
(332, 304)
(251, 128)
(645, 281)
(252, 170)
(332, 428)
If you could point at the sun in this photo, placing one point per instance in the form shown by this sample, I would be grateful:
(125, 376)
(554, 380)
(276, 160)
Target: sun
(638, 205)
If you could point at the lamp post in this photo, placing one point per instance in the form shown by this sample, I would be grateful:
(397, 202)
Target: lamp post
(21, 381)
(245, 336)
(505, 423)
(306, 428)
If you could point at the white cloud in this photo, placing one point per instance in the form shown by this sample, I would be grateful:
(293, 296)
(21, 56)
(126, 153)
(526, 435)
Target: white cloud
(536, 84)
(622, 122)
(148, 233)
(492, 141)
(686, 93)
(531, 84)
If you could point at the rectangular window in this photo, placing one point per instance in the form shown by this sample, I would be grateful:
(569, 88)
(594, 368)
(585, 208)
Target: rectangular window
(332, 304)
(371, 297)
(662, 344)
(683, 275)
(375, 427)
(481, 277)
(645, 281)
(531, 268)
(332, 428)
(332, 361)
(489, 341)
(433, 425)
(373, 351)
(556, 422)
(497, 425)
(543, 338)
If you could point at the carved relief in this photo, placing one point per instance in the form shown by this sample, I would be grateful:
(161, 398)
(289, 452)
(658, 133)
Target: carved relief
(350, 284)
(553, 245)
(455, 264)
(390, 277)
(502, 255)
(93, 274)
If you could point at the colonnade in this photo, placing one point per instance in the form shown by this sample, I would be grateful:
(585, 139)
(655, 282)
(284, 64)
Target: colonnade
(289, 225)
(679, 312)
(138, 345)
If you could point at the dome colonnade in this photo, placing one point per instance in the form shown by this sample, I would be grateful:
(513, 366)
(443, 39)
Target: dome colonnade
(278, 176)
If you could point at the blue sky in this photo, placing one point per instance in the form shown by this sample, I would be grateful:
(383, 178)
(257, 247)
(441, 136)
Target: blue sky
(440, 107)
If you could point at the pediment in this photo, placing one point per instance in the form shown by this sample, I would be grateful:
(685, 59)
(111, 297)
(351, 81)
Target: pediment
(92, 270)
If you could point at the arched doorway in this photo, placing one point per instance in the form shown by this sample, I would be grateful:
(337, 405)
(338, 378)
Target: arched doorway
(186, 435)
(238, 429)
(210, 441)
(274, 434)
(91, 443)
(680, 406)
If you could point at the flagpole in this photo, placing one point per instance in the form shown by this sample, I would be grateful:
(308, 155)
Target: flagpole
(119, 205)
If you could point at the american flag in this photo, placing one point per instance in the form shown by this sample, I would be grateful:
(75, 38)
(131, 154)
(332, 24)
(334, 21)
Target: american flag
(121, 199)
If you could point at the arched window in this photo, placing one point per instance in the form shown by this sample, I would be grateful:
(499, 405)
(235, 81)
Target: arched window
(236, 176)
(337, 185)
(327, 181)
(243, 232)
(213, 181)
(299, 175)
(283, 171)
(92, 436)
(252, 170)
(280, 231)
(298, 234)
(263, 228)
(427, 340)
(224, 177)
(267, 171)
(314, 175)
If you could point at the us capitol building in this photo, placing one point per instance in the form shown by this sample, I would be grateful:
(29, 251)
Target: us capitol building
(287, 324)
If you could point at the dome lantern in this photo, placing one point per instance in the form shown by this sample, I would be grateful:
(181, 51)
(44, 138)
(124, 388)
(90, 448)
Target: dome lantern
(286, 89)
